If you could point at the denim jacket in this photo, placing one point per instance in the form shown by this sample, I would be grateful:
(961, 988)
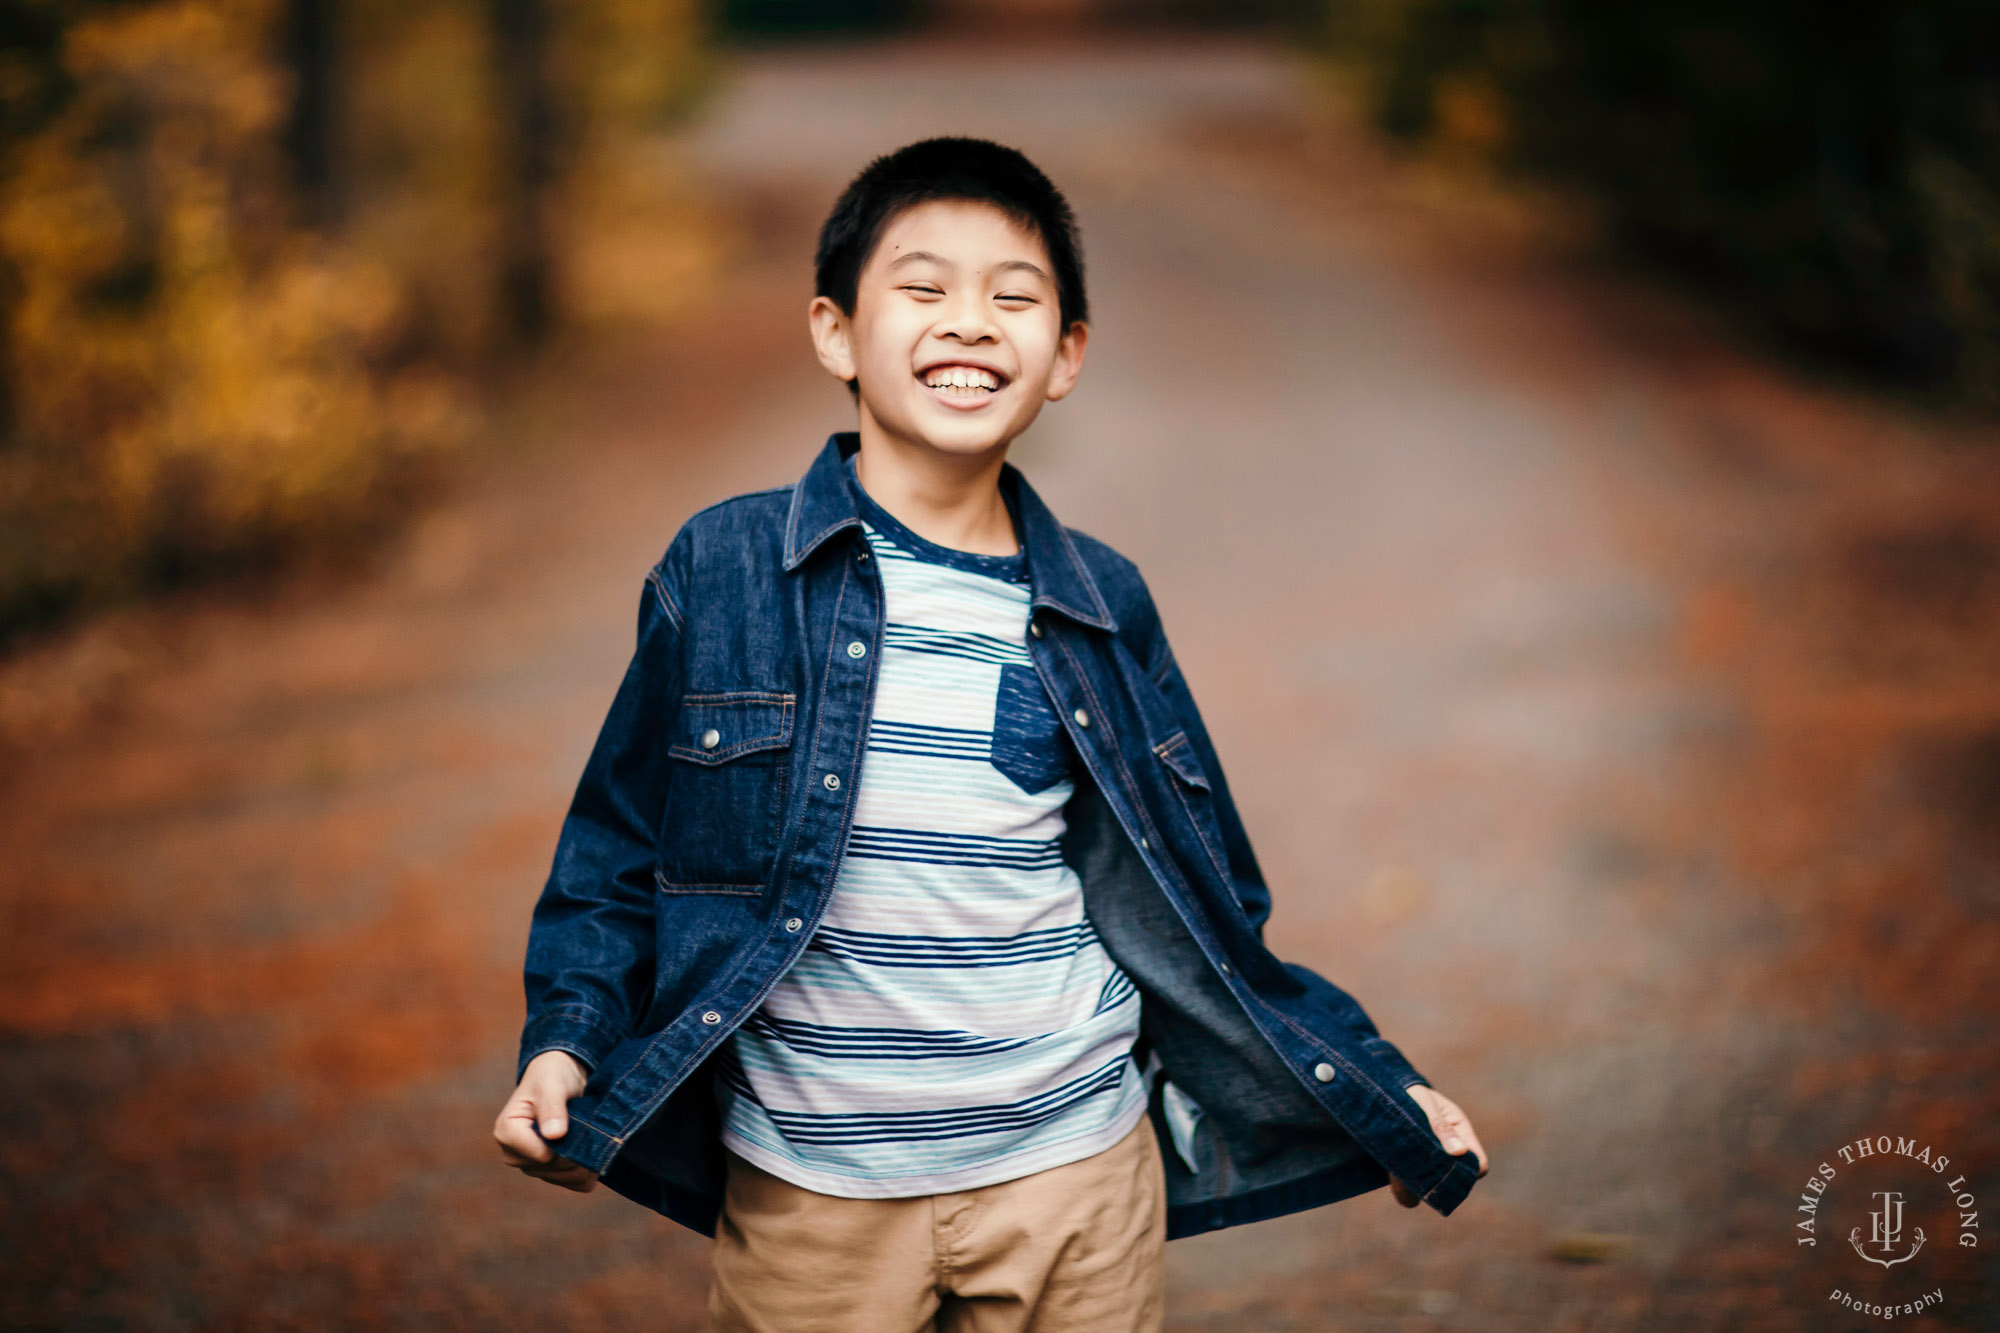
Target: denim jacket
(701, 847)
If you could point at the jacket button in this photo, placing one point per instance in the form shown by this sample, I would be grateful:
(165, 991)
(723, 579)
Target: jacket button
(1082, 718)
(857, 648)
(794, 925)
(1144, 845)
(712, 1018)
(1229, 971)
(1035, 628)
(709, 738)
(832, 781)
(1323, 1072)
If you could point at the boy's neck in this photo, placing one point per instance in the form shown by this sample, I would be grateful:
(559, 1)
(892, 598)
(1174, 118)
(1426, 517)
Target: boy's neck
(951, 499)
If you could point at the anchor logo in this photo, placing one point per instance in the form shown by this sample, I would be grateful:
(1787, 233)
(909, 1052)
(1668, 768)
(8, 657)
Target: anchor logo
(1885, 1231)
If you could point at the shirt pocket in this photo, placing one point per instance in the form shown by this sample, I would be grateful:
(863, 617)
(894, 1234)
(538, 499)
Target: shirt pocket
(1029, 744)
(731, 754)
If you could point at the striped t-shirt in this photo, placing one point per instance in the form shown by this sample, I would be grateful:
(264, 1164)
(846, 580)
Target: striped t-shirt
(954, 1022)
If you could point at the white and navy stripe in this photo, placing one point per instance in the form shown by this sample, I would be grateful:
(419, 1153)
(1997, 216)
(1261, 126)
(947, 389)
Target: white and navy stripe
(954, 1021)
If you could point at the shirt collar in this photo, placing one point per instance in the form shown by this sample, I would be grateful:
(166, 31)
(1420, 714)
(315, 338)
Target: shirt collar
(823, 504)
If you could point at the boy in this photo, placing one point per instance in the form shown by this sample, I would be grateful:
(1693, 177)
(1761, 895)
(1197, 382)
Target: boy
(902, 933)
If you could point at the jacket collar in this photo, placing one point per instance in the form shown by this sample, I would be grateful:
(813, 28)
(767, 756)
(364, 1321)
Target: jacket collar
(823, 504)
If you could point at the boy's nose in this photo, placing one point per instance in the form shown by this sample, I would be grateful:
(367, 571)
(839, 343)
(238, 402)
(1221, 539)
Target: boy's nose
(968, 321)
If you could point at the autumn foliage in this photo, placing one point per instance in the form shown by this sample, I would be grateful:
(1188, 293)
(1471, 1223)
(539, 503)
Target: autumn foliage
(256, 256)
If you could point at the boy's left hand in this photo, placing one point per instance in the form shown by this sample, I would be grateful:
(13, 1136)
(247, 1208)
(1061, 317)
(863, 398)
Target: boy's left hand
(1453, 1128)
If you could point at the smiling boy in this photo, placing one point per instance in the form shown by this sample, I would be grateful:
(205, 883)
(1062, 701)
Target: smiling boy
(902, 933)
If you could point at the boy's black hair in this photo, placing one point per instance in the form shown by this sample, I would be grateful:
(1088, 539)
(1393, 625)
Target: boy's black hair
(947, 168)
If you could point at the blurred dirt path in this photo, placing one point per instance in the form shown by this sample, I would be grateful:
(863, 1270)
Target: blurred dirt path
(1612, 712)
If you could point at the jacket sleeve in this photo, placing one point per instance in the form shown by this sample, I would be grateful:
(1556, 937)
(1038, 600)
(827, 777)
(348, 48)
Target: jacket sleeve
(590, 957)
(1245, 875)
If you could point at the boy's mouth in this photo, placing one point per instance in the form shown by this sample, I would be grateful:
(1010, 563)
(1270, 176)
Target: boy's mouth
(961, 384)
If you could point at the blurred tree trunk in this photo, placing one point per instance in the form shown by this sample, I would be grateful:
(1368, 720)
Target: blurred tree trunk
(313, 132)
(520, 30)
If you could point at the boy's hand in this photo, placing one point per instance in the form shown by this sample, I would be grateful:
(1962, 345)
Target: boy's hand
(1453, 1128)
(547, 1084)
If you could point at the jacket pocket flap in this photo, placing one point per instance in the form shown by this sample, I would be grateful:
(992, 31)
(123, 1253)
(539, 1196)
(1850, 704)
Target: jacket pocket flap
(715, 728)
(1177, 753)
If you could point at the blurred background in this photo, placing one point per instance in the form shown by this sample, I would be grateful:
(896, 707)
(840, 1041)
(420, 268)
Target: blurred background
(1563, 440)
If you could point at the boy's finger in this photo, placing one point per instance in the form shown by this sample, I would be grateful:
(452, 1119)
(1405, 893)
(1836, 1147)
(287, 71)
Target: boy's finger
(548, 1103)
(515, 1132)
(1478, 1150)
(1451, 1126)
(1461, 1137)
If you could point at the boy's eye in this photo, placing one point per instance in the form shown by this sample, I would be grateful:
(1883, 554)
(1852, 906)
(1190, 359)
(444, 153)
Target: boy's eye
(1015, 299)
(922, 289)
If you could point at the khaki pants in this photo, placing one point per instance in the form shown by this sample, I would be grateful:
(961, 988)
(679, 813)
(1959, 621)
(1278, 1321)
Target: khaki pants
(1075, 1249)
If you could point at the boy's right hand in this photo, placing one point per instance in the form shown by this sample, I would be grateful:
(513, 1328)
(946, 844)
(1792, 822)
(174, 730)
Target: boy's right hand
(547, 1084)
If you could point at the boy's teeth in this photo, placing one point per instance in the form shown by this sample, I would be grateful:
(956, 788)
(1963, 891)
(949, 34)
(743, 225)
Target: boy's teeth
(961, 377)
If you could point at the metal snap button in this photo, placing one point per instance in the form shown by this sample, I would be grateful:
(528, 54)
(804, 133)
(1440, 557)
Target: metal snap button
(709, 738)
(1035, 628)
(1144, 845)
(1229, 971)
(1323, 1072)
(832, 781)
(1082, 718)
(712, 1018)
(857, 648)
(794, 925)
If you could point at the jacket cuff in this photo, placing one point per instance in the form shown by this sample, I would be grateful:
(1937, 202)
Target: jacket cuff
(583, 1032)
(587, 1145)
(1401, 1072)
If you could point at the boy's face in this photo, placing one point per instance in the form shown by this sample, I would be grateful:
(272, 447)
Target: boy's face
(956, 339)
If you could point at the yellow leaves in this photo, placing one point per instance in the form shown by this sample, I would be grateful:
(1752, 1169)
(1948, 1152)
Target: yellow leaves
(189, 378)
(197, 66)
(193, 379)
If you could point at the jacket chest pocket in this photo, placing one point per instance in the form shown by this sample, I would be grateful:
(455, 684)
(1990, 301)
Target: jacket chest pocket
(1190, 784)
(731, 756)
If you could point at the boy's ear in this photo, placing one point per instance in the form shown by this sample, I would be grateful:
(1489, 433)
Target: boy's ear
(831, 337)
(1069, 360)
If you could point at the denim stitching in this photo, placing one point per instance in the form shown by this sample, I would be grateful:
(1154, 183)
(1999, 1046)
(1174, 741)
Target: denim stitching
(1177, 741)
(1122, 770)
(583, 1015)
(826, 532)
(775, 740)
(665, 885)
(1214, 855)
(782, 874)
(665, 598)
(1354, 1073)
(1104, 619)
(792, 526)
